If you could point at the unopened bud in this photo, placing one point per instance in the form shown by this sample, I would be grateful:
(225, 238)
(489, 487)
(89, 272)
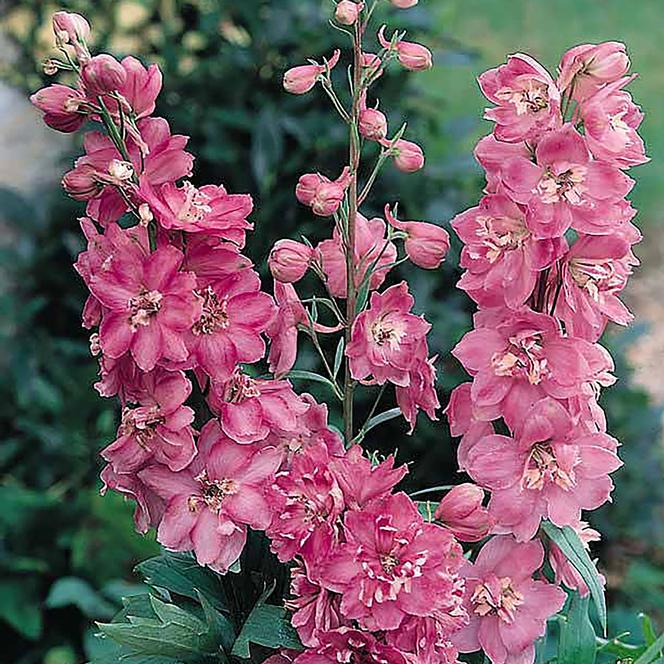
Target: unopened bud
(82, 182)
(411, 55)
(347, 12)
(145, 214)
(373, 124)
(327, 198)
(408, 156)
(404, 4)
(307, 186)
(289, 260)
(103, 74)
(300, 80)
(462, 512)
(70, 28)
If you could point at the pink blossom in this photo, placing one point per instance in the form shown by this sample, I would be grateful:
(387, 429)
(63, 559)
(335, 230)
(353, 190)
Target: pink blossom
(210, 504)
(103, 74)
(526, 97)
(323, 195)
(70, 28)
(501, 257)
(393, 565)
(249, 409)
(516, 357)
(348, 11)
(426, 640)
(461, 511)
(300, 80)
(410, 55)
(141, 88)
(404, 4)
(64, 108)
(407, 156)
(208, 209)
(157, 427)
(610, 123)
(373, 251)
(586, 68)
(361, 482)
(385, 337)
(216, 263)
(420, 394)
(372, 123)
(508, 610)
(306, 502)
(284, 328)
(493, 155)
(350, 645)
(150, 304)
(550, 470)
(565, 187)
(426, 244)
(289, 260)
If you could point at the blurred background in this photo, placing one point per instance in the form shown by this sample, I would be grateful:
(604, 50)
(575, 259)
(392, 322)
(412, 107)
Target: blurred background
(66, 554)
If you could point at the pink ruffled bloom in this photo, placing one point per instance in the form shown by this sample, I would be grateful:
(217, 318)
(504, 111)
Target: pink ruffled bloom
(427, 640)
(141, 88)
(149, 304)
(508, 610)
(371, 246)
(501, 257)
(385, 338)
(550, 470)
(158, 427)
(284, 328)
(462, 512)
(526, 97)
(393, 565)
(210, 504)
(420, 393)
(565, 187)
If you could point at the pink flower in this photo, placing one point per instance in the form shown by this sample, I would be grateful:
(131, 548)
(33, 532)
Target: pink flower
(249, 409)
(516, 357)
(610, 123)
(407, 156)
(289, 260)
(461, 511)
(385, 337)
(372, 123)
(361, 482)
(217, 264)
(594, 273)
(158, 427)
(141, 88)
(404, 4)
(300, 80)
(550, 470)
(425, 244)
(150, 304)
(103, 74)
(372, 251)
(426, 640)
(393, 565)
(323, 195)
(501, 257)
(565, 187)
(348, 11)
(210, 504)
(586, 68)
(306, 502)
(421, 390)
(208, 209)
(350, 645)
(70, 28)
(493, 155)
(63, 107)
(526, 97)
(508, 610)
(284, 328)
(410, 55)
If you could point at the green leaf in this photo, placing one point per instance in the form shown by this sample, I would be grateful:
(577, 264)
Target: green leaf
(339, 356)
(572, 547)
(426, 508)
(19, 606)
(314, 377)
(576, 640)
(647, 628)
(382, 417)
(652, 652)
(70, 590)
(268, 626)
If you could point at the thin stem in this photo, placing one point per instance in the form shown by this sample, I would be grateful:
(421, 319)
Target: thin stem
(326, 364)
(372, 178)
(351, 290)
(363, 430)
(329, 91)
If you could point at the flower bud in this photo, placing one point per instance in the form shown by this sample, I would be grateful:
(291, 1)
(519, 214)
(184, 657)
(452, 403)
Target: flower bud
(327, 199)
(461, 511)
(412, 56)
(307, 186)
(82, 182)
(404, 4)
(372, 124)
(61, 106)
(70, 28)
(371, 63)
(289, 260)
(347, 12)
(426, 244)
(300, 80)
(408, 156)
(103, 74)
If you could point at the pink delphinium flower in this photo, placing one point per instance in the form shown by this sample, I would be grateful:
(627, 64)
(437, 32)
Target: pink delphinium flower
(141, 88)
(393, 565)
(420, 393)
(408, 157)
(372, 123)
(209, 505)
(526, 97)
(462, 512)
(289, 260)
(158, 427)
(371, 247)
(300, 80)
(550, 470)
(385, 337)
(508, 610)
(410, 55)
(565, 187)
(427, 640)
(348, 11)
(102, 75)
(63, 107)
(493, 155)
(501, 257)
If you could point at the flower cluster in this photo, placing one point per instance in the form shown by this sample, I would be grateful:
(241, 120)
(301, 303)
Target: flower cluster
(546, 254)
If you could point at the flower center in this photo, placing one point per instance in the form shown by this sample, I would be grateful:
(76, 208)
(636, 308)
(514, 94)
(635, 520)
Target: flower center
(595, 275)
(543, 467)
(530, 99)
(240, 387)
(500, 234)
(564, 186)
(194, 206)
(389, 562)
(140, 423)
(213, 492)
(524, 357)
(144, 307)
(387, 332)
(213, 316)
(496, 596)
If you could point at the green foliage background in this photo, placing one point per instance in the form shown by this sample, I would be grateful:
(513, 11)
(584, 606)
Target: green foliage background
(66, 554)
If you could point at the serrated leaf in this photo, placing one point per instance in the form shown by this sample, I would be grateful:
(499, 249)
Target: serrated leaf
(573, 549)
(576, 640)
(377, 420)
(267, 626)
